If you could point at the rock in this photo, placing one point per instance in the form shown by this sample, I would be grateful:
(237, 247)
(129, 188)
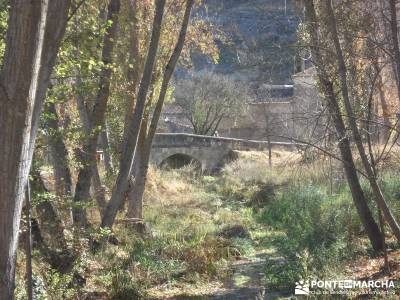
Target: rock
(96, 296)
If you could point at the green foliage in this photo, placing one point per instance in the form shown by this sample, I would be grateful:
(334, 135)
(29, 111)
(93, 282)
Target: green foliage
(38, 198)
(101, 233)
(158, 258)
(39, 289)
(4, 8)
(123, 287)
(241, 246)
(317, 231)
(59, 286)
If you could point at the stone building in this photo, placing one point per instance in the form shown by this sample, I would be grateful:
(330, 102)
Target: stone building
(278, 112)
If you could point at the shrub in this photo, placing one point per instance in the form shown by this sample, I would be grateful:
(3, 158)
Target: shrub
(58, 286)
(263, 196)
(123, 287)
(315, 234)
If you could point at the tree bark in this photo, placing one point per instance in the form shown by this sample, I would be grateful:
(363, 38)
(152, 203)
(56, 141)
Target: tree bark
(35, 29)
(28, 212)
(385, 107)
(108, 163)
(135, 67)
(59, 152)
(97, 117)
(99, 190)
(135, 206)
(369, 224)
(128, 153)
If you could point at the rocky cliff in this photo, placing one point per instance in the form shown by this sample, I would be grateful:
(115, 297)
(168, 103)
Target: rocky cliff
(261, 35)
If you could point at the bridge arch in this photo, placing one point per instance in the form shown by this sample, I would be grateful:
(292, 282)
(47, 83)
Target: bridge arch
(208, 158)
(179, 160)
(162, 156)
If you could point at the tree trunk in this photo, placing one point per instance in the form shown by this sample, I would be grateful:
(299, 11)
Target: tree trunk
(59, 152)
(136, 190)
(379, 198)
(135, 67)
(268, 132)
(385, 108)
(135, 205)
(99, 190)
(369, 224)
(108, 163)
(135, 194)
(35, 29)
(96, 118)
(358, 196)
(395, 41)
(134, 125)
(28, 212)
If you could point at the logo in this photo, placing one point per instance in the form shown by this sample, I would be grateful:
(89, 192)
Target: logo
(344, 287)
(302, 288)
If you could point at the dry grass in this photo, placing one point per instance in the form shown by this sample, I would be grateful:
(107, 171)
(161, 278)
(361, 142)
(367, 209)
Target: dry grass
(186, 211)
(372, 268)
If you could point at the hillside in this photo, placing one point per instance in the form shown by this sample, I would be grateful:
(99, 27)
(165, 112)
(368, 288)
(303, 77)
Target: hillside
(260, 39)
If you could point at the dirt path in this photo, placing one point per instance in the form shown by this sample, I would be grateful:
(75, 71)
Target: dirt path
(247, 281)
(247, 278)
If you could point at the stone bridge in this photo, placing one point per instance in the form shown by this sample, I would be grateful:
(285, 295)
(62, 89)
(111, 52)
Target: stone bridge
(208, 151)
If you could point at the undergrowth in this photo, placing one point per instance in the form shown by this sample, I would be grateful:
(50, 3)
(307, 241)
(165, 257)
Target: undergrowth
(298, 214)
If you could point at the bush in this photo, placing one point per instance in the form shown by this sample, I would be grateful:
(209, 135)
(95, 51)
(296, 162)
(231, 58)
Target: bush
(58, 286)
(157, 260)
(315, 226)
(263, 196)
(123, 287)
